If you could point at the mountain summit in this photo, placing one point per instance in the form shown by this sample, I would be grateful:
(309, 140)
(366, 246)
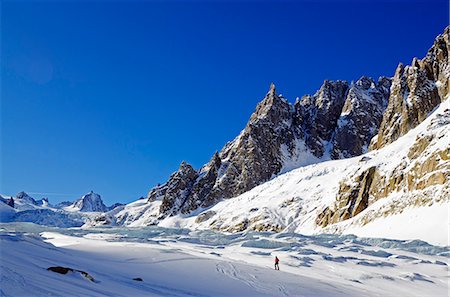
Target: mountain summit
(90, 202)
(341, 120)
(338, 121)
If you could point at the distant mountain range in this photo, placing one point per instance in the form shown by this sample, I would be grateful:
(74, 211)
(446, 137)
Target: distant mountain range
(342, 158)
(24, 208)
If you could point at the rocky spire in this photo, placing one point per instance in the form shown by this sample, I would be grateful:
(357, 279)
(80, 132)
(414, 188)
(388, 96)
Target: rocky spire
(11, 202)
(271, 108)
(90, 202)
(318, 114)
(176, 191)
(360, 117)
(416, 91)
(276, 133)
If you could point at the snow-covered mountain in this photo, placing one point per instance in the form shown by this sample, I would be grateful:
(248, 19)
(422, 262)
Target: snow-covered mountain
(338, 121)
(286, 170)
(91, 202)
(408, 165)
(24, 208)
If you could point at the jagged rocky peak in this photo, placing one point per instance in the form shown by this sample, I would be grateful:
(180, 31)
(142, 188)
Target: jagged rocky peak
(175, 192)
(317, 115)
(416, 90)
(185, 170)
(204, 193)
(272, 107)
(252, 158)
(213, 165)
(361, 116)
(90, 202)
(26, 198)
(277, 134)
(437, 62)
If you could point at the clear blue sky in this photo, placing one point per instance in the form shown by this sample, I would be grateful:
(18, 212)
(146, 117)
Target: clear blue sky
(111, 97)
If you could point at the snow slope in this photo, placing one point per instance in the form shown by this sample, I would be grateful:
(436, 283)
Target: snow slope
(291, 202)
(176, 262)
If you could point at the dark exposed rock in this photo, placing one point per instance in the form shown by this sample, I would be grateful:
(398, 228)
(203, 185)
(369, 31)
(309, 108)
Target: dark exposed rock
(352, 199)
(102, 220)
(203, 191)
(60, 270)
(361, 116)
(176, 191)
(318, 114)
(138, 279)
(65, 270)
(11, 202)
(255, 155)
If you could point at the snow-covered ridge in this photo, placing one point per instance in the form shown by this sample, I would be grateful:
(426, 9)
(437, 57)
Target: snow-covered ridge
(24, 208)
(338, 121)
(293, 201)
(239, 188)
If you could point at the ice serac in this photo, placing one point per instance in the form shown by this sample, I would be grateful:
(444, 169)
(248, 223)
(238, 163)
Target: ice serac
(416, 90)
(361, 116)
(90, 202)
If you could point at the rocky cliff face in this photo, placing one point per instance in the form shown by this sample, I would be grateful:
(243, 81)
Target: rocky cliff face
(416, 90)
(317, 115)
(361, 116)
(176, 191)
(415, 93)
(337, 121)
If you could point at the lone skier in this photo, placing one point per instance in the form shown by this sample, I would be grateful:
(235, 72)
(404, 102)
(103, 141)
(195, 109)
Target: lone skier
(277, 267)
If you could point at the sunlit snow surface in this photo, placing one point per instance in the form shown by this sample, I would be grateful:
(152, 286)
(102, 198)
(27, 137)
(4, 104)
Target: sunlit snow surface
(179, 262)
